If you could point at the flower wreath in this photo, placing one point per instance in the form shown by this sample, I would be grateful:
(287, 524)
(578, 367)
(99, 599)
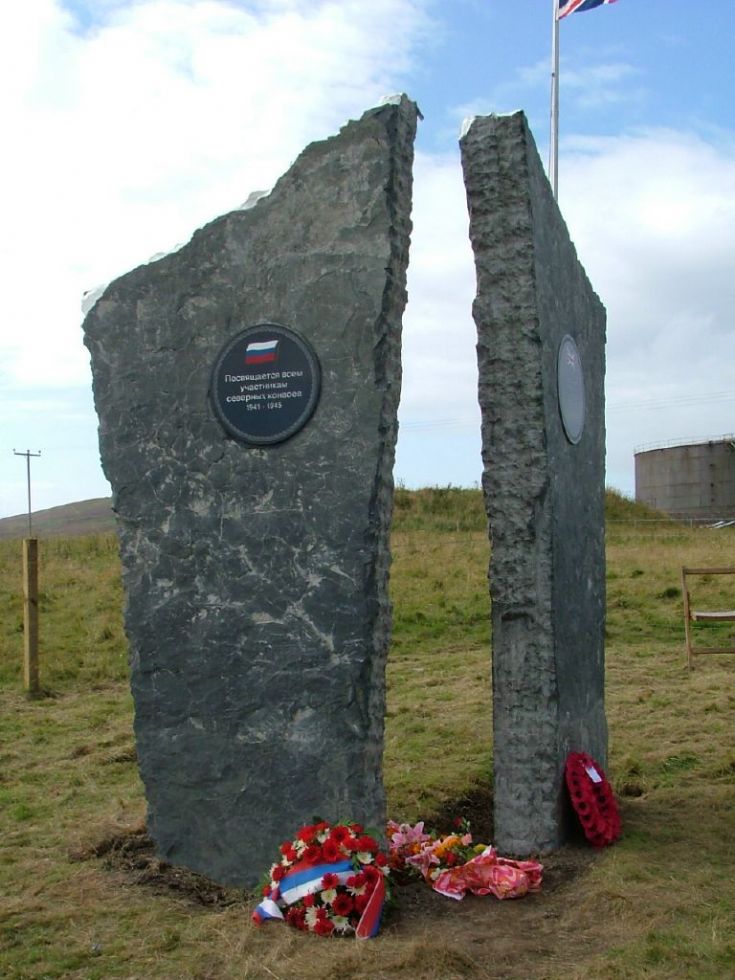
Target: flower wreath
(330, 880)
(592, 799)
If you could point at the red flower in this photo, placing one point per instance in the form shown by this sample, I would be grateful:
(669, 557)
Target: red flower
(342, 905)
(356, 881)
(319, 827)
(330, 880)
(279, 872)
(306, 834)
(312, 854)
(380, 859)
(371, 874)
(361, 902)
(330, 851)
(366, 843)
(296, 917)
(350, 844)
(451, 859)
(356, 828)
(266, 891)
(308, 901)
(593, 799)
(324, 927)
(339, 834)
(288, 851)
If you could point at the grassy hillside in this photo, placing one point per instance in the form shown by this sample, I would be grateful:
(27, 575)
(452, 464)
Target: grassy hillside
(84, 517)
(443, 508)
(80, 899)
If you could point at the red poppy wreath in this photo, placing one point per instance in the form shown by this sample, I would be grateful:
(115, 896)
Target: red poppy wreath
(592, 799)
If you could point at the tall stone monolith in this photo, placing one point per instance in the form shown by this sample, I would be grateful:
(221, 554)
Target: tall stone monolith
(247, 389)
(541, 343)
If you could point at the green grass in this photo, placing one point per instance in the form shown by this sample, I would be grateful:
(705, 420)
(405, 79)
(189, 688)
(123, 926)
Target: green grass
(659, 904)
(80, 612)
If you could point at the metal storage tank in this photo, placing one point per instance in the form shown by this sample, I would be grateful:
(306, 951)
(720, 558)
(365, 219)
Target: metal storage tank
(691, 480)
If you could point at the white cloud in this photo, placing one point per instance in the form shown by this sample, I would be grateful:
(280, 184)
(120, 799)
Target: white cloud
(599, 85)
(439, 367)
(583, 87)
(653, 217)
(130, 133)
(127, 125)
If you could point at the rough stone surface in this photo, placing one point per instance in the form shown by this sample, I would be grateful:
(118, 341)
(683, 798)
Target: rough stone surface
(256, 577)
(544, 496)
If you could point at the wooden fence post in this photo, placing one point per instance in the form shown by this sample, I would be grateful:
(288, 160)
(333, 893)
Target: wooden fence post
(30, 615)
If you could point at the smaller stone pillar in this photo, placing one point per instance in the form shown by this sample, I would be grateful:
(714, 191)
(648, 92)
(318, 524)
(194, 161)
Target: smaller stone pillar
(540, 351)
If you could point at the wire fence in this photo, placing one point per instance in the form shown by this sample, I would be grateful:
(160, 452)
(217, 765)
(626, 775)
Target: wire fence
(712, 523)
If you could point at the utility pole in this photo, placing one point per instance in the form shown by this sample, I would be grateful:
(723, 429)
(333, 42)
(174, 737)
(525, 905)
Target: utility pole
(554, 135)
(28, 455)
(30, 596)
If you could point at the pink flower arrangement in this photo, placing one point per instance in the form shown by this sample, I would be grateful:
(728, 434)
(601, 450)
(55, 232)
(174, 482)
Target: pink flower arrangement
(453, 865)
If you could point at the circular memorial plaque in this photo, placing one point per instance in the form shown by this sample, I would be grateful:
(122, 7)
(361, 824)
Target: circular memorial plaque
(265, 384)
(571, 389)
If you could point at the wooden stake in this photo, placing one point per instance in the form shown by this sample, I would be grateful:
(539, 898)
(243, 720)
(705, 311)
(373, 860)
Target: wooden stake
(30, 615)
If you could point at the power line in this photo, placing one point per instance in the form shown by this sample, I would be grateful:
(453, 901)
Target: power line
(715, 396)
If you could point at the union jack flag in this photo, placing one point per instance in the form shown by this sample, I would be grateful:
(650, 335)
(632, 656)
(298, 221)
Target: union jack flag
(567, 7)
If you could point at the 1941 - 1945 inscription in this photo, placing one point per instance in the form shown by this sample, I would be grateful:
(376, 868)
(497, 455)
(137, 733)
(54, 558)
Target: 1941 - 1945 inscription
(265, 384)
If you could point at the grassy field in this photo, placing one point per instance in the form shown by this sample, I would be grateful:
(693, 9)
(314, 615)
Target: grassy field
(79, 900)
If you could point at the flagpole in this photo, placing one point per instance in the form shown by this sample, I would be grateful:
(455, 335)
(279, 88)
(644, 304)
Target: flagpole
(554, 138)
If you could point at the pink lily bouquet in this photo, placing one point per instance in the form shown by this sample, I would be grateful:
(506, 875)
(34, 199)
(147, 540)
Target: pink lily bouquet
(454, 865)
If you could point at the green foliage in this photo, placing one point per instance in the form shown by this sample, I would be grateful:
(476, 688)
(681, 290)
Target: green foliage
(619, 507)
(442, 509)
(439, 509)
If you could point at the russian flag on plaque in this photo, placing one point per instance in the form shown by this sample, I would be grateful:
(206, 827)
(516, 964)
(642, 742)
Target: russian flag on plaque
(262, 352)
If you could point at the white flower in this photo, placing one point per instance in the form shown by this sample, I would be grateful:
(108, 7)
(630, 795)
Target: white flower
(311, 917)
(341, 923)
(364, 857)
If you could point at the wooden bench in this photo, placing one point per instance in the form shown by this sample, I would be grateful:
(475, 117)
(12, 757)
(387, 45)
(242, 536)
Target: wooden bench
(703, 615)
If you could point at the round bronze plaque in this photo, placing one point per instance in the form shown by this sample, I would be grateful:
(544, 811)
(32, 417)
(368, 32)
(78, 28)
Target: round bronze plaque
(265, 384)
(571, 389)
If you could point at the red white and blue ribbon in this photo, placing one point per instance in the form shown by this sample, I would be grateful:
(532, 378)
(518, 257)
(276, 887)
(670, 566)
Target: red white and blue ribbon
(306, 879)
(267, 911)
(369, 923)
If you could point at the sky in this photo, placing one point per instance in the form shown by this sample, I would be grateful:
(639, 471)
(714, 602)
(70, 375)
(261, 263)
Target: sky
(128, 124)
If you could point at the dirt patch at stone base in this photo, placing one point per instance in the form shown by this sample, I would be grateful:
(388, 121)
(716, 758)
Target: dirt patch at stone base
(536, 936)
